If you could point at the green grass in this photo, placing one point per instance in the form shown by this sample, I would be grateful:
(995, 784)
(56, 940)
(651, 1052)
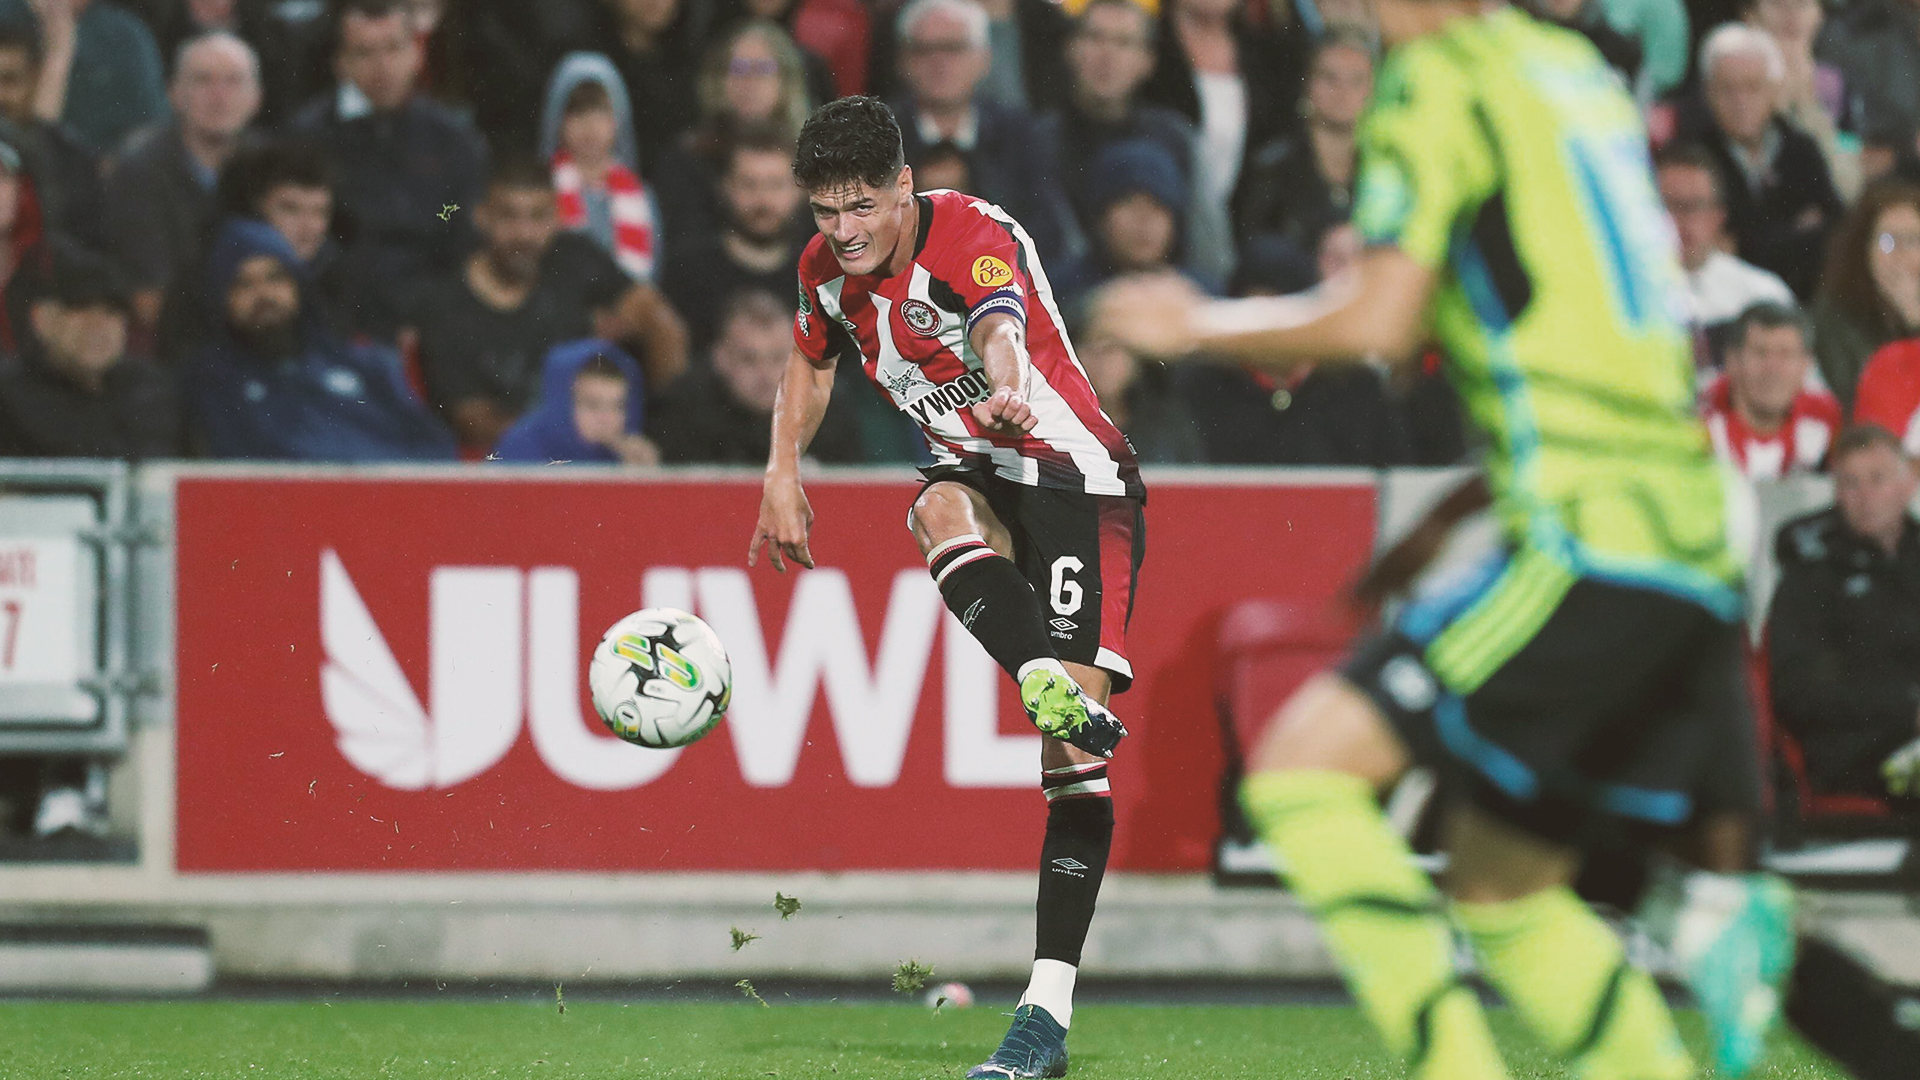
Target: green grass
(224, 1040)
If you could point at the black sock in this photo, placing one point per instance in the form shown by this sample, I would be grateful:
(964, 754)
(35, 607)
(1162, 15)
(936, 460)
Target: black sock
(987, 593)
(1073, 860)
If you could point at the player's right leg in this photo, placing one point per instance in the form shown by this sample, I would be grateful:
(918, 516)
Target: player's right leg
(969, 552)
(1310, 791)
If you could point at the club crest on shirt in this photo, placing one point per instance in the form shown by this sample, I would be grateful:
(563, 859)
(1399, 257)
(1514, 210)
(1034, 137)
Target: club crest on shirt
(991, 273)
(920, 317)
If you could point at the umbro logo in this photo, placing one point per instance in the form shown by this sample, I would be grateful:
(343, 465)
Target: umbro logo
(1069, 866)
(973, 612)
(1064, 628)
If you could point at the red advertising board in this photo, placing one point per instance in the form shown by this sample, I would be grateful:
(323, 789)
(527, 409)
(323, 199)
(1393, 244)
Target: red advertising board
(388, 674)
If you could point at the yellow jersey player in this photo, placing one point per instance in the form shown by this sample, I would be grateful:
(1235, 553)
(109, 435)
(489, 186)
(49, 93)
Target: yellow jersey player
(1586, 682)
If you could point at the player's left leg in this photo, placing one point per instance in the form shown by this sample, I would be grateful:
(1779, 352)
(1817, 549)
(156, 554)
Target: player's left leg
(1564, 971)
(1311, 792)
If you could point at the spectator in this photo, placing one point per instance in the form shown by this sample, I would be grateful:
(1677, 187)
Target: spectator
(101, 72)
(160, 198)
(658, 46)
(288, 184)
(1719, 286)
(1236, 82)
(1588, 19)
(1659, 28)
(503, 53)
(587, 133)
(1140, 398)
(758, 243)
(1876, 46)
(1889, 393)
(1338, 415)
(485, 329)
(1297, 181)
(943, 55)
(1025, 41)
(1781, 202)
(723, 413)
(821, 84)
(1844, 628)
(71, 391)
(408, 170)
(1137, 194)
(274, 383)
(1764, 420)
(753, 77)
(1109, 55)
(289, 38)
(1813, 95)
(26, 248)
(592, 409)
(72, 195)
(1870, 294)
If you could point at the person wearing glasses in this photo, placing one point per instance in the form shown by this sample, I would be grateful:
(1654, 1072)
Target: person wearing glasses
(1870, 290)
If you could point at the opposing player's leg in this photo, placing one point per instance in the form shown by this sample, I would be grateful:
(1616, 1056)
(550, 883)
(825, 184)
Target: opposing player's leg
(969, 551)
(1729, 926)
(1311, 792)
(1564, 970)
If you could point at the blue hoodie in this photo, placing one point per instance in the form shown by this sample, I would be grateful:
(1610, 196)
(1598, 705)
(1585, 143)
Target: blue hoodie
(546, 433)
(328, 401)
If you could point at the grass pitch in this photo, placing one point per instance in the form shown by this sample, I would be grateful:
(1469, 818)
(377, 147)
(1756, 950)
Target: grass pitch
(417, 1040)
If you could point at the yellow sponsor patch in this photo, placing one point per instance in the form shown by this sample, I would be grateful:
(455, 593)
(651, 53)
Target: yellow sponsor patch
(991, 273)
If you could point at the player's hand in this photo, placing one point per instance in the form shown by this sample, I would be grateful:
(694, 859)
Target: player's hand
(1006, 412)
(1902, 770)
(1151, 314)
(785, 520)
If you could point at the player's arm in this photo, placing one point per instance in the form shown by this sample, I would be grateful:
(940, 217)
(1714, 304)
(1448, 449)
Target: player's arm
(1377, 311)
(999, 339)
(785, 515)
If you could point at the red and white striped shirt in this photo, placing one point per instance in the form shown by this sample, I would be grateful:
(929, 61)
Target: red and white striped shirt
(911, 330)
(1800, 445)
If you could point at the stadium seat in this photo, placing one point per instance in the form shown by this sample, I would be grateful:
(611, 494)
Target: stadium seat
(1264, 649)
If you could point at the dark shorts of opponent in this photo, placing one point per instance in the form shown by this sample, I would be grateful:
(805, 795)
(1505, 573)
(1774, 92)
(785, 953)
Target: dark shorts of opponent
(1582, 711)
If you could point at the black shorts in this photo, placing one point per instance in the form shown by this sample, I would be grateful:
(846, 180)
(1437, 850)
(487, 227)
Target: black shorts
(1624, 713)
(1081, 553)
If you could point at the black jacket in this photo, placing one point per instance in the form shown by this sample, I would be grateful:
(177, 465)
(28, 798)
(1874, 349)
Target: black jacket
(395, 174)
(1337, 415)
(136, 414)
(1075, 139)
(1783, 225)
(158, 208)
(1844, 645)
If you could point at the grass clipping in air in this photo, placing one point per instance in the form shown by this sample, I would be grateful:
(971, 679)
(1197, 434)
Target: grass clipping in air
(911, 976)
(785, 905)
(742, 937)
(746, 990)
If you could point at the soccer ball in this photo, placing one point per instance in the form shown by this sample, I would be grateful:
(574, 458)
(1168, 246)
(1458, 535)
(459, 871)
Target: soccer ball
(660, 678)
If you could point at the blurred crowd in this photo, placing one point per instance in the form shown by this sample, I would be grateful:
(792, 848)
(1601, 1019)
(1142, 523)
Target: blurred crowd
(402, 230)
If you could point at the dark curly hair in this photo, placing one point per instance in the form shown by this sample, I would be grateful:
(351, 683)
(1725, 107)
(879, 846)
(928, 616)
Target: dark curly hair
(851, 140)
